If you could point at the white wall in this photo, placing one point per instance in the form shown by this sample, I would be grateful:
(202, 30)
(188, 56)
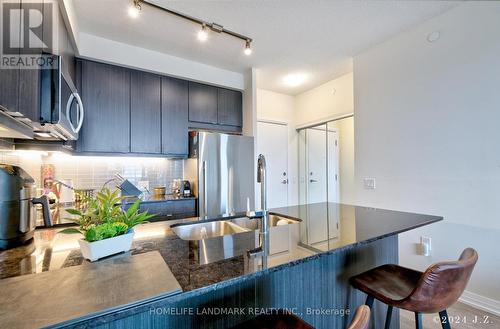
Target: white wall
(427, 128)
(326, 101)
(276, 107)
(114, 52)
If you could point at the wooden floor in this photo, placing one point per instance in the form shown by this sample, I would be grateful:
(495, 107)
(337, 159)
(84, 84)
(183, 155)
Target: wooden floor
(462, 317)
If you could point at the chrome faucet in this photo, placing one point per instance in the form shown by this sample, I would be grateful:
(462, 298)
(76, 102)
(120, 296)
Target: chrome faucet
(263, 249)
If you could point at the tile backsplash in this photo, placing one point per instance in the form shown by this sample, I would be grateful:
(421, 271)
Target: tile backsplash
(93, 172)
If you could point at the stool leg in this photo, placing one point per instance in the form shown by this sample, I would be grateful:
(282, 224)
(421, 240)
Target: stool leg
(388, 317)
(445, 320)
(369, 301)
(418, 320)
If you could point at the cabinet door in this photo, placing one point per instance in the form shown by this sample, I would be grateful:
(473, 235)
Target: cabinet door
(202, 103)
(9, 78)
(230, 107)
(174, 106)
(106, 99)
(145, 109)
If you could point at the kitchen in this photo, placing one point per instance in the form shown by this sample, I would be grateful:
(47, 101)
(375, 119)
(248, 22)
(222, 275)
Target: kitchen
(274, 184)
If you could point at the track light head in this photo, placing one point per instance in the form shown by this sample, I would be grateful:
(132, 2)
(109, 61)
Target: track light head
(248, 48)
(134, 9)
(203, 33)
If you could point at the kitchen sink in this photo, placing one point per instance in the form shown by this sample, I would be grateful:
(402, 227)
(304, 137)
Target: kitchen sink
(255, 224)
(223, 239)
(201, 231)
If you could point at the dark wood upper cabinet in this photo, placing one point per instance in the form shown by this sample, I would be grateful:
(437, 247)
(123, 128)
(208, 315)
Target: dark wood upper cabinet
(9, 84)
(9, 90)
(202, 103)
(106, 98)
(145, 112)
(174, 106)
(230, 107)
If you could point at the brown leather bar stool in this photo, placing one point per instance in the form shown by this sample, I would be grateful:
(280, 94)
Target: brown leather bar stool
(432, 291)
(281, 319)
(361, 318)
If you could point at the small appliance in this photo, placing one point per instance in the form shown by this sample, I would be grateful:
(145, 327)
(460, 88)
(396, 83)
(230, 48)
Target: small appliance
(186, 188)
(17, 206)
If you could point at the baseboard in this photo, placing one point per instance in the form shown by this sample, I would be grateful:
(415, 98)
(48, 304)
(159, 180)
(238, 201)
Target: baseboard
(483, 303)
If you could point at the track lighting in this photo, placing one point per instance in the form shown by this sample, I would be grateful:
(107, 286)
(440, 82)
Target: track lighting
(134, 9)
(203, 34)
(248, 48)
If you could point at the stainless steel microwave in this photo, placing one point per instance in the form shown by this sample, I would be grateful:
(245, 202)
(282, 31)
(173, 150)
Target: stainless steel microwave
(61, 108)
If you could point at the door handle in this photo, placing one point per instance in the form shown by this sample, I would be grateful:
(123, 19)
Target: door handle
(205, 204)
(284, 181)
(313, 181)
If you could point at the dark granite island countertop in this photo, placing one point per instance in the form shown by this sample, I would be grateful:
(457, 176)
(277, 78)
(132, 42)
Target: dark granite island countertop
(325, 228)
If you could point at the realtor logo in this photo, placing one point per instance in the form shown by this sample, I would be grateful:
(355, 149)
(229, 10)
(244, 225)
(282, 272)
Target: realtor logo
(27, 32)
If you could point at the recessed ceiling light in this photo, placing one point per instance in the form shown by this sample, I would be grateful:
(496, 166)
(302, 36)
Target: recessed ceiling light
(203, 34)
(433, 36)
(294, 79)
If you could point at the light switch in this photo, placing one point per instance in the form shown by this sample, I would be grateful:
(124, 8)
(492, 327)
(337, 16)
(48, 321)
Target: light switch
(369, 183)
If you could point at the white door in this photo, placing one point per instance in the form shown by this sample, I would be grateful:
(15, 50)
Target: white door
(272, 142)
(333, 166)
(316, 164)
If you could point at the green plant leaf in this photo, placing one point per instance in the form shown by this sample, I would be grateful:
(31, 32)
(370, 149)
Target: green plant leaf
(70, 230)
(133, 208)
(74, 212)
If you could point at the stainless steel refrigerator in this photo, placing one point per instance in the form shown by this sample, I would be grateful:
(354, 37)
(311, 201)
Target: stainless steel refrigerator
(225, 172)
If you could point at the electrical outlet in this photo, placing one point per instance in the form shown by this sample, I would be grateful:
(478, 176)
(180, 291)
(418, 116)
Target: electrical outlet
(369, 183)
(425, 245)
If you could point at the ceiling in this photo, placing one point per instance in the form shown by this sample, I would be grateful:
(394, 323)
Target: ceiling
(315, 37)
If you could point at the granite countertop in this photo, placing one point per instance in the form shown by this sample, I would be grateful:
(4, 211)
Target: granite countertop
(323, 228)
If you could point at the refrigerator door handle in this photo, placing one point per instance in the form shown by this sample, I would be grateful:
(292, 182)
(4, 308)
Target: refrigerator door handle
(205, 204)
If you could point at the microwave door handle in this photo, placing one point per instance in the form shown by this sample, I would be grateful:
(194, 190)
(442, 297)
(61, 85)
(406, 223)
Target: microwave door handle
(80, 111)
(68, 110)
(79, 106)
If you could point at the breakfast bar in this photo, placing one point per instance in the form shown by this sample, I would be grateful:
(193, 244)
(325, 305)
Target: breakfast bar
(314, 249)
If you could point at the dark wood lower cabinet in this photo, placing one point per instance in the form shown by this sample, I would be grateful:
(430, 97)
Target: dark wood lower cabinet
(174, 209)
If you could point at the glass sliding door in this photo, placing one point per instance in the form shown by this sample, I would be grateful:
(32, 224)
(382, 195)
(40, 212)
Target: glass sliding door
(320, 168)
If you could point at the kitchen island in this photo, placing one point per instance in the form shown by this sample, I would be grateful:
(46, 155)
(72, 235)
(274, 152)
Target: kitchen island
(309, 266)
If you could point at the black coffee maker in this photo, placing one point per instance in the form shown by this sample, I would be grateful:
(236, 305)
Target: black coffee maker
(186, 188)
(17, 206)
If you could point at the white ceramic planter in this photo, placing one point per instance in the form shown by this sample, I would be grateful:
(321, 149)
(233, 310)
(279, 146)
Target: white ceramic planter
(107, 247)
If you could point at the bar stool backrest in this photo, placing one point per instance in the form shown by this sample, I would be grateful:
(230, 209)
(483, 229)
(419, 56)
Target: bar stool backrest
(443, 283)
(361, 318)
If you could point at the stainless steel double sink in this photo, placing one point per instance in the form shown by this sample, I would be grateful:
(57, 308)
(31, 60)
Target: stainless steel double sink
(222, 239)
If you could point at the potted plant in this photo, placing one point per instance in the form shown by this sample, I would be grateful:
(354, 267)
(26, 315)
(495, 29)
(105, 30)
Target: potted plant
(107, 229)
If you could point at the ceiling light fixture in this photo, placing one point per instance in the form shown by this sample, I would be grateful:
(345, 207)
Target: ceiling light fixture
(134, 9)
(248, 48)
(294, 79)
(203, 33)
